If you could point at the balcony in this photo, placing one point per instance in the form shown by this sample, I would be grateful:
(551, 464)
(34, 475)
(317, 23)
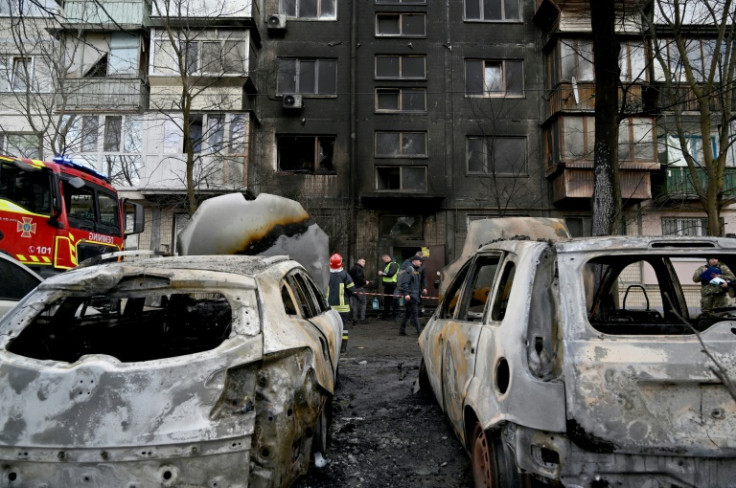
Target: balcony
(575, 180)
(678, 183)
(681, 96)
(106, 14)
(86, 94)
(567, 97)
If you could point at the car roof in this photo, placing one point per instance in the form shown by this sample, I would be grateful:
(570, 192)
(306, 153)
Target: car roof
(671, 244)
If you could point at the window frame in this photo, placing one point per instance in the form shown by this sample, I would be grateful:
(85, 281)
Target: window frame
(490, 165)
(299, 79)
(319, 141)
(400, 93)
(502, 4)
(21, 69)
(380, 183)
(400, 62)
(402, 142)
(507, 73)
(320, 11)
(401, 24)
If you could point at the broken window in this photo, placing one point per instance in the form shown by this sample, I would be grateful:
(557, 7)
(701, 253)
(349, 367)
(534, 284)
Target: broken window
(451, 300)
(196, 129)
(643, 295)
(503, 78)
(400, 144)
(401, 25)
(89, 133)
(497, 155)
(401, 99)
(113, 133)
(400, 67)
(310, 9)
(576, 60)
(307, 76)
(407, 226)
(478, 291)
(21, 73)
(503, 292)
(144, 327)
(306, 154)
(492, 10)
(401, 178)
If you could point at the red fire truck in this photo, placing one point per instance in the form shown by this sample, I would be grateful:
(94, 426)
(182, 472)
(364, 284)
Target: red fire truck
(53, 215)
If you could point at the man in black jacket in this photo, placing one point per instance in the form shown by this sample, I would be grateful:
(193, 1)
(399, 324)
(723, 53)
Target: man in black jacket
(410, 288)
(358, 300)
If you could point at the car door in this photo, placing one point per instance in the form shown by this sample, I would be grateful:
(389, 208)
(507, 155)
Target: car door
(311, 313)
(460, 335)
(18, 280)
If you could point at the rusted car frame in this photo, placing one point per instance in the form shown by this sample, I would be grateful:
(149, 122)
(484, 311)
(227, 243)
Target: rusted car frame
(547, 373)
(207, 371)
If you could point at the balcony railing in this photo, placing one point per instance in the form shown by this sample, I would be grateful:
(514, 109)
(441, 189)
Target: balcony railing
(104, 94)
(679, 182)
(107, 12)
(581, 97)
(577, 182)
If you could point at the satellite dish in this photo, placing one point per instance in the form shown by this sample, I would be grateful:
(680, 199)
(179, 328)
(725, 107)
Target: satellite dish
(575, 94)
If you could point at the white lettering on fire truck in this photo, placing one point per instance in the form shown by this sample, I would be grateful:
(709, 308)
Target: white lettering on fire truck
(100, 238)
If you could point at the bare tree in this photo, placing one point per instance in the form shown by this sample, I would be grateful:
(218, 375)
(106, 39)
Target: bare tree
(694, 44)
(203, 63)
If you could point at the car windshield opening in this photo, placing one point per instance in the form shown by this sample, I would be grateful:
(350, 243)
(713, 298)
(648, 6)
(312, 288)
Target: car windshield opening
(653, 295)
(131, 329)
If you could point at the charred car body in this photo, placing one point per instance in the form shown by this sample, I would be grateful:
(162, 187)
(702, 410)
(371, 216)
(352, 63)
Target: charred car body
(212, 371)
(587, 363)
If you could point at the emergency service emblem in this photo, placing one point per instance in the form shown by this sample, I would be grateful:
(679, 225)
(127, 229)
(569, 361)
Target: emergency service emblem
(26, 228)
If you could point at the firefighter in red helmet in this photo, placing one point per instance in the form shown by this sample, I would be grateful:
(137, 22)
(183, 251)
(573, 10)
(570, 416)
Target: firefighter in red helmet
(339, 291)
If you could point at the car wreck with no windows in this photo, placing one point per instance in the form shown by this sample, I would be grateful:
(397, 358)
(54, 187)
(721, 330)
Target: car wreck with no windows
(206, 371)
(587, 363)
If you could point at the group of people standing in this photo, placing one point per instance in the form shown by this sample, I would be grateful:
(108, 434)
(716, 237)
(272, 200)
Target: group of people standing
(346, 290)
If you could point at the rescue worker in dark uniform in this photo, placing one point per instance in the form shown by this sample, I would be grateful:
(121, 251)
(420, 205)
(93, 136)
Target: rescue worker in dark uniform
(389, 277)
(410, 287)
(339, 290)
(359, 300)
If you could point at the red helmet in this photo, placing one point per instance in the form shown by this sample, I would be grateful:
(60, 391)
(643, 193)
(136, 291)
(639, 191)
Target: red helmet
(335, 261)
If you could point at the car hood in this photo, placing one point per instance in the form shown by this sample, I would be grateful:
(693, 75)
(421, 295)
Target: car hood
(100, 402)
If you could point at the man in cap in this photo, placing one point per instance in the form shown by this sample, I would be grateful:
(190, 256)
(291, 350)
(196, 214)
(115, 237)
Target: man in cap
(410, 288)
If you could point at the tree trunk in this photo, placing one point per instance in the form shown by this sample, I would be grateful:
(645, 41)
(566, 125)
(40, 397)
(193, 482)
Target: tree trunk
(606, 184)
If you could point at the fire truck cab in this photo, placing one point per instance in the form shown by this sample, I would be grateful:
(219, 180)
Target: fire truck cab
(53, 215)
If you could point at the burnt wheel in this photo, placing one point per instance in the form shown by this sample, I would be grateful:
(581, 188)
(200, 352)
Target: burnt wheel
(321, 439)
(493, 465)
(425, 388)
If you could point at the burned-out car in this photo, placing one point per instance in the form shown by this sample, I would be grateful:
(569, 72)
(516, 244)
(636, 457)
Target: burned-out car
(198, 371)
(587, 363)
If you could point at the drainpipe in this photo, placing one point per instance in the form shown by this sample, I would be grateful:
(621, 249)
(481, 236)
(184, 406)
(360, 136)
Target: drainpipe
(352, 195)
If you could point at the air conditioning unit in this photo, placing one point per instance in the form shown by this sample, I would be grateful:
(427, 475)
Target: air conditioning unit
(291, 101)
(276, 22)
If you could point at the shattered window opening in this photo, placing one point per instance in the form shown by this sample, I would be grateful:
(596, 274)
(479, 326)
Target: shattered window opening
(642, 295)
(131, 328)
(306, 154)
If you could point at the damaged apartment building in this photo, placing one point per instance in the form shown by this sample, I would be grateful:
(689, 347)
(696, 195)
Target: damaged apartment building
(395, 123)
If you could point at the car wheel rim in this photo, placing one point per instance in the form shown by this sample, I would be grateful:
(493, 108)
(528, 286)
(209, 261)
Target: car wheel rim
(482, 467)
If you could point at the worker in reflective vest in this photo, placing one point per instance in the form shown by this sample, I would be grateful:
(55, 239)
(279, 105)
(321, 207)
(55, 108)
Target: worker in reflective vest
(389, 277)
